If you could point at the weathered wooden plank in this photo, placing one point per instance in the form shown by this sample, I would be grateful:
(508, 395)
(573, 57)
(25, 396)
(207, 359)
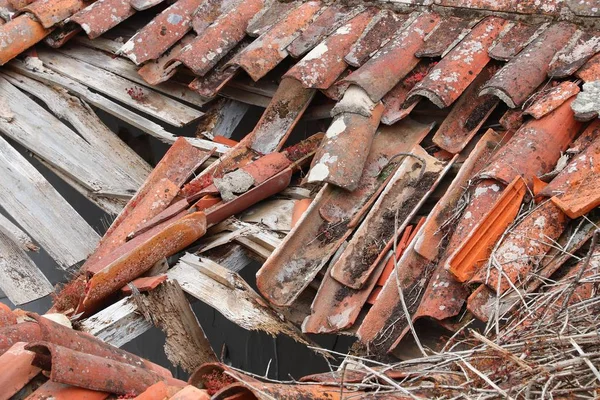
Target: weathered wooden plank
(222, 118)
(15, 233)
(87, 124)
(146, 100)
(31, 201)
(127, 69)
(21, 280)
(45, 135)
(186, 344)
(274, 214)
(100, 43)
(35, 69)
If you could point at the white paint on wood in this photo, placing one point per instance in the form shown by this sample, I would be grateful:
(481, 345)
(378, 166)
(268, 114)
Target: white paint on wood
(20, 280)
(31, 201)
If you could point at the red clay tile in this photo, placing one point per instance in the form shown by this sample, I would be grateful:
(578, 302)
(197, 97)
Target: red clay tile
(547, 7)
(581, 199)
(61, 35)
(158, 391)
(477, 246)
(18, 4)
(395, 60)
(16, 370)
(299, 210)
(329, 19)
(51, 12)
(398, 200)
(378, 32)
(132, 263)
(161, 70)
(575, 54)
(102, 15)
(439, 40)
(207, 13)
(535, 147)
(321, 67)
(144, 284)
(523, 247)
(92, 372)
(584, 7)
(550, 99)
(468, 114)
(275, 12)
(516, 36)
(341, 157)
(217, 40)
(161, 33)
(19, 34)
(293, 265)
(171, 211)
(512, 119)
(521, 76)
(24, 331)
(266, 52)
(7, 317)
(58, 391)
(191, 393)
(590, 70)
(455, 72)
(490, 5)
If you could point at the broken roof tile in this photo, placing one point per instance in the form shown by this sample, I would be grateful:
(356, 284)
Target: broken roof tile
(202, 54)
(453, 74)
(447, 32)
(274, 12)
(320, 68)
(60, 391)
(378, 32)
(161, 33)
(590, 70)
(161, 69)
(207, 12)
(522, 75)
(395, 60)
(262, 55)
(329, 19)
(143, 284)
(582, 199)
(19, 34)
(16, 369)
(51, 12)
(23, 331)
(582, 46)
(515, 37)
(102, 15)
(552, 98)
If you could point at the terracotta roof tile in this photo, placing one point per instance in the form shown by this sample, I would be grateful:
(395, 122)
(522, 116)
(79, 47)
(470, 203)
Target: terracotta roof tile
(515, 37)
(59, 391)
(102, 15)
(24, 331)
(447, 32)
(582, 47)
(7, 317)
(19, 34)
(51, 12)
(16, 369)
(552, 98)
(590, 70)
(271, 14)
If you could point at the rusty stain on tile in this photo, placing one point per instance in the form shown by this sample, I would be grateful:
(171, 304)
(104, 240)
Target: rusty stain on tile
(60, 391)
(102, 15)
(477, 246)
(552, 98)
(516, 36)
(455, 72)
(523, 247)
(582, 46)
(378, 32)
(535, 147)
(320, 68)
(342, 155)
(409, 184)
(16, 369)
(202, 54)
(395, 60)
(303, 252)
(590, 70)
(161, 33)
(19, 34)
(329, 19)
(447, 32)
(262, 55)
(523, 74)
(51, 12)
(468, 114)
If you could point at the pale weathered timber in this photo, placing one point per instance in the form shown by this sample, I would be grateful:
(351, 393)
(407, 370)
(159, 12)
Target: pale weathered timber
(222, 118)
(15, 233)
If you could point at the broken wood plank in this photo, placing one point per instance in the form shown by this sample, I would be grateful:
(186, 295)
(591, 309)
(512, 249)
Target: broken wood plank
(186, 344)
(222, 118)
(128, 70)
(22, 281)
(31, 201)
(274, 214)
(15, 233)
(146, 100)
(35, 69)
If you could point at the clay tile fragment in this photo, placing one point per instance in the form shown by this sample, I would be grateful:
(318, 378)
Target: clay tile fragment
(477, 246)
(16, 369)
(455, 72)
(158, 391)
(582, 46)
(320, 68)
(60, 391)
(271, 14)
(468, 114)
(590, 70)
(144, 284)
(377, 33)
(523, 247)
(102, 15)
(217, 40)
(300, 207)
(7, 317)
(522, 75)
(262, 55)
(515, 37)
(395, 60)
(19, 34)
(581, 199)
(24, 331)
(191, 393)
(447, 32)
(552, 98)
(545, 7)
(158, 71)
(51, 12)
(535, 147)
(161, 33)
(329, 19)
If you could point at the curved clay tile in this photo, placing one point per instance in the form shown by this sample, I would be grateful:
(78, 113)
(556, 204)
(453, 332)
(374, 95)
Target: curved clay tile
(550, 99)
(447, 32)
(590, 70)
(102, 15)
(51, 12)
(515, 37)
(455, 72)
(19, 34)
(272, 13)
